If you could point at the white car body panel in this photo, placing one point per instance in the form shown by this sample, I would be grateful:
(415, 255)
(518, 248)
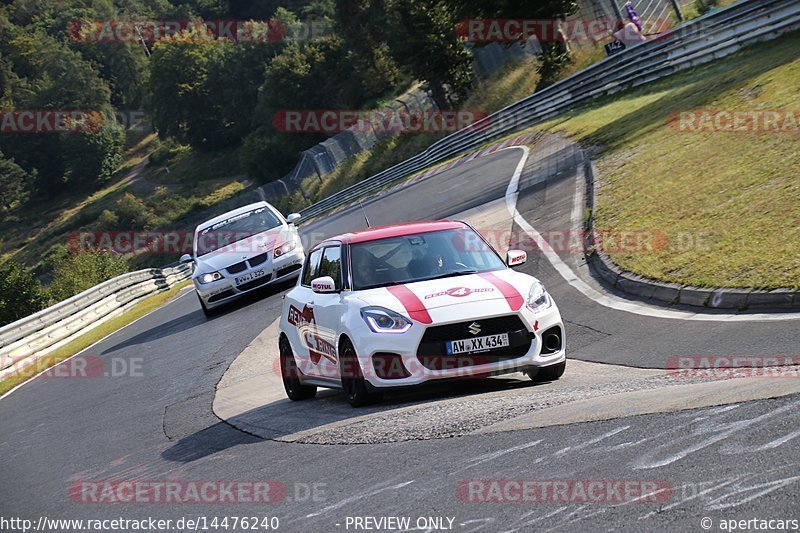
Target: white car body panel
(446, 301)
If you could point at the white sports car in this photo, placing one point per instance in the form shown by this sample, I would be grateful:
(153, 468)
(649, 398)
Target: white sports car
(242, 250)
(406, 304)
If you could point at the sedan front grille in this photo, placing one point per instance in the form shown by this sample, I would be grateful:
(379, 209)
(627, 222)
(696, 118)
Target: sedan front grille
(432, 350)
(237, 267)
(258, 259)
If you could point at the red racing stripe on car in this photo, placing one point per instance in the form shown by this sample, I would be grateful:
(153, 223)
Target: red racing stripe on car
(512, 295)
(414, 306)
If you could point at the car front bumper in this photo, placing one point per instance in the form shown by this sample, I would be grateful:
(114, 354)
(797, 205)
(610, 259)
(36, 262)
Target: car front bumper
(276, 270)
(407, 347)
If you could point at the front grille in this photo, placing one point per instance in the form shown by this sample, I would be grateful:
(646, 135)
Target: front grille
(221, 296)
(237, 267)
(432, 350)
(285, 270)
(255, 283)
(258, 259)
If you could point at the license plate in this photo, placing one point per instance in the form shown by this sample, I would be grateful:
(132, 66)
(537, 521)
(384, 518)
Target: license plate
(249, 277)
(478, 344)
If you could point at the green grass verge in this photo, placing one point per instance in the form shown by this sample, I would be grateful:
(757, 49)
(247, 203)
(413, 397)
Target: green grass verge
(730, 202)
(147, 305)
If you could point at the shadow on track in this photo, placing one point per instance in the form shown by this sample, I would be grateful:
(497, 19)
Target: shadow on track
(287, 420)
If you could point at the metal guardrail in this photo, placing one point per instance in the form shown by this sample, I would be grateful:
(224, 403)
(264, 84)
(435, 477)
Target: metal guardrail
(701, 40)
(41, 332)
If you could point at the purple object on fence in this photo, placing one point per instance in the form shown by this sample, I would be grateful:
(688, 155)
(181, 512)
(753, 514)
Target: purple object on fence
(633, 16)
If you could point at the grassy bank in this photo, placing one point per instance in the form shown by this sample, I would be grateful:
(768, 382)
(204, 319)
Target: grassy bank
(729, 201)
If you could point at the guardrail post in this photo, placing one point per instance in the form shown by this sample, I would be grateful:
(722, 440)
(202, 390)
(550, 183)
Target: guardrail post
(677, 7)
(617, 10)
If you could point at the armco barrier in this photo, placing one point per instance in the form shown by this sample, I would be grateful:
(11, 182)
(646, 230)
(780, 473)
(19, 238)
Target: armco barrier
(40, 333)
(704, 39)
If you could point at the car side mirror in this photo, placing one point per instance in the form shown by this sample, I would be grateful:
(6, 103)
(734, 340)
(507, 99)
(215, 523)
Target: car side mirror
(323, 285)
(516, 257)
(186, 258)
(292, 218)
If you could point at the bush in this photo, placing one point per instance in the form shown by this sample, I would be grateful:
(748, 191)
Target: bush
(131, 214)
(20, 293)
(108, 220)
(92, 158)
(160, 154)
(82, 271)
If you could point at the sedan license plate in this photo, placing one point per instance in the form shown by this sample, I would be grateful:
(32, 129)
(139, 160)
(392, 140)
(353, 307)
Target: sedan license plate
(249, 277)
(478, 344)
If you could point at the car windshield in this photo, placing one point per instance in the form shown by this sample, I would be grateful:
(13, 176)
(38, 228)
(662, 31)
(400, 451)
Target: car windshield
(420, 257)
(233, 229)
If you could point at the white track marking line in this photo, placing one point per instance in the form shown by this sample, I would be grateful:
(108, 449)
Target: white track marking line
(608, 300)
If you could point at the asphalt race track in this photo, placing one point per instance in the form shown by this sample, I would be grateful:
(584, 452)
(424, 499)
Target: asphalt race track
(736, 461)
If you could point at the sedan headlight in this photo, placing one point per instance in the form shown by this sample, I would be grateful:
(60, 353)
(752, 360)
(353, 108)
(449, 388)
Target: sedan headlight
(210, 277)
(381, 320)
(537, 297)
(285, 248)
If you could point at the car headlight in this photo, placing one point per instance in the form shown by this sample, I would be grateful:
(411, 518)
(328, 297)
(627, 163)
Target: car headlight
(537, 297)
(285, 248)
(382, 320)
(210, 277)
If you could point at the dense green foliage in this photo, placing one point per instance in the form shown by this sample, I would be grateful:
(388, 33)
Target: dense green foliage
(80, 271)
(214, 93)
(20, 293)
(203, 96)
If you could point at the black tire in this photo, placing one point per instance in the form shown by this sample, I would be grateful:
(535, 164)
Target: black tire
(353, 383)
(548, 373)
(206, 311)
(290, 374)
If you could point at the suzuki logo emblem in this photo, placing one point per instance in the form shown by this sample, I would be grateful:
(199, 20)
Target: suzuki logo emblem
(474, 328)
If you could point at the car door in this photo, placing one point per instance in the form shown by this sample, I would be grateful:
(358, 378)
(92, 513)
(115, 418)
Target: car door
(328, 310)
(300, 313)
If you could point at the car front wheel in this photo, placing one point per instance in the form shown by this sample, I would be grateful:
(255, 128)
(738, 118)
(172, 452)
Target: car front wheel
(353, 382)
(290, 374)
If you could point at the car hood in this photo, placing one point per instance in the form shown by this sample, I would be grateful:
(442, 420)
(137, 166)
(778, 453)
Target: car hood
(500, 291)
(244, 249)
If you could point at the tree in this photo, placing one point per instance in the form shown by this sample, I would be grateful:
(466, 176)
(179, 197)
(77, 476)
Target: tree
(20, 293)
(313, 75)
(183, 103)
(45, 74)
(363, 25)
(425, 43)
(91, 158)
(82, 271)
(552, 58)
(15, 184)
